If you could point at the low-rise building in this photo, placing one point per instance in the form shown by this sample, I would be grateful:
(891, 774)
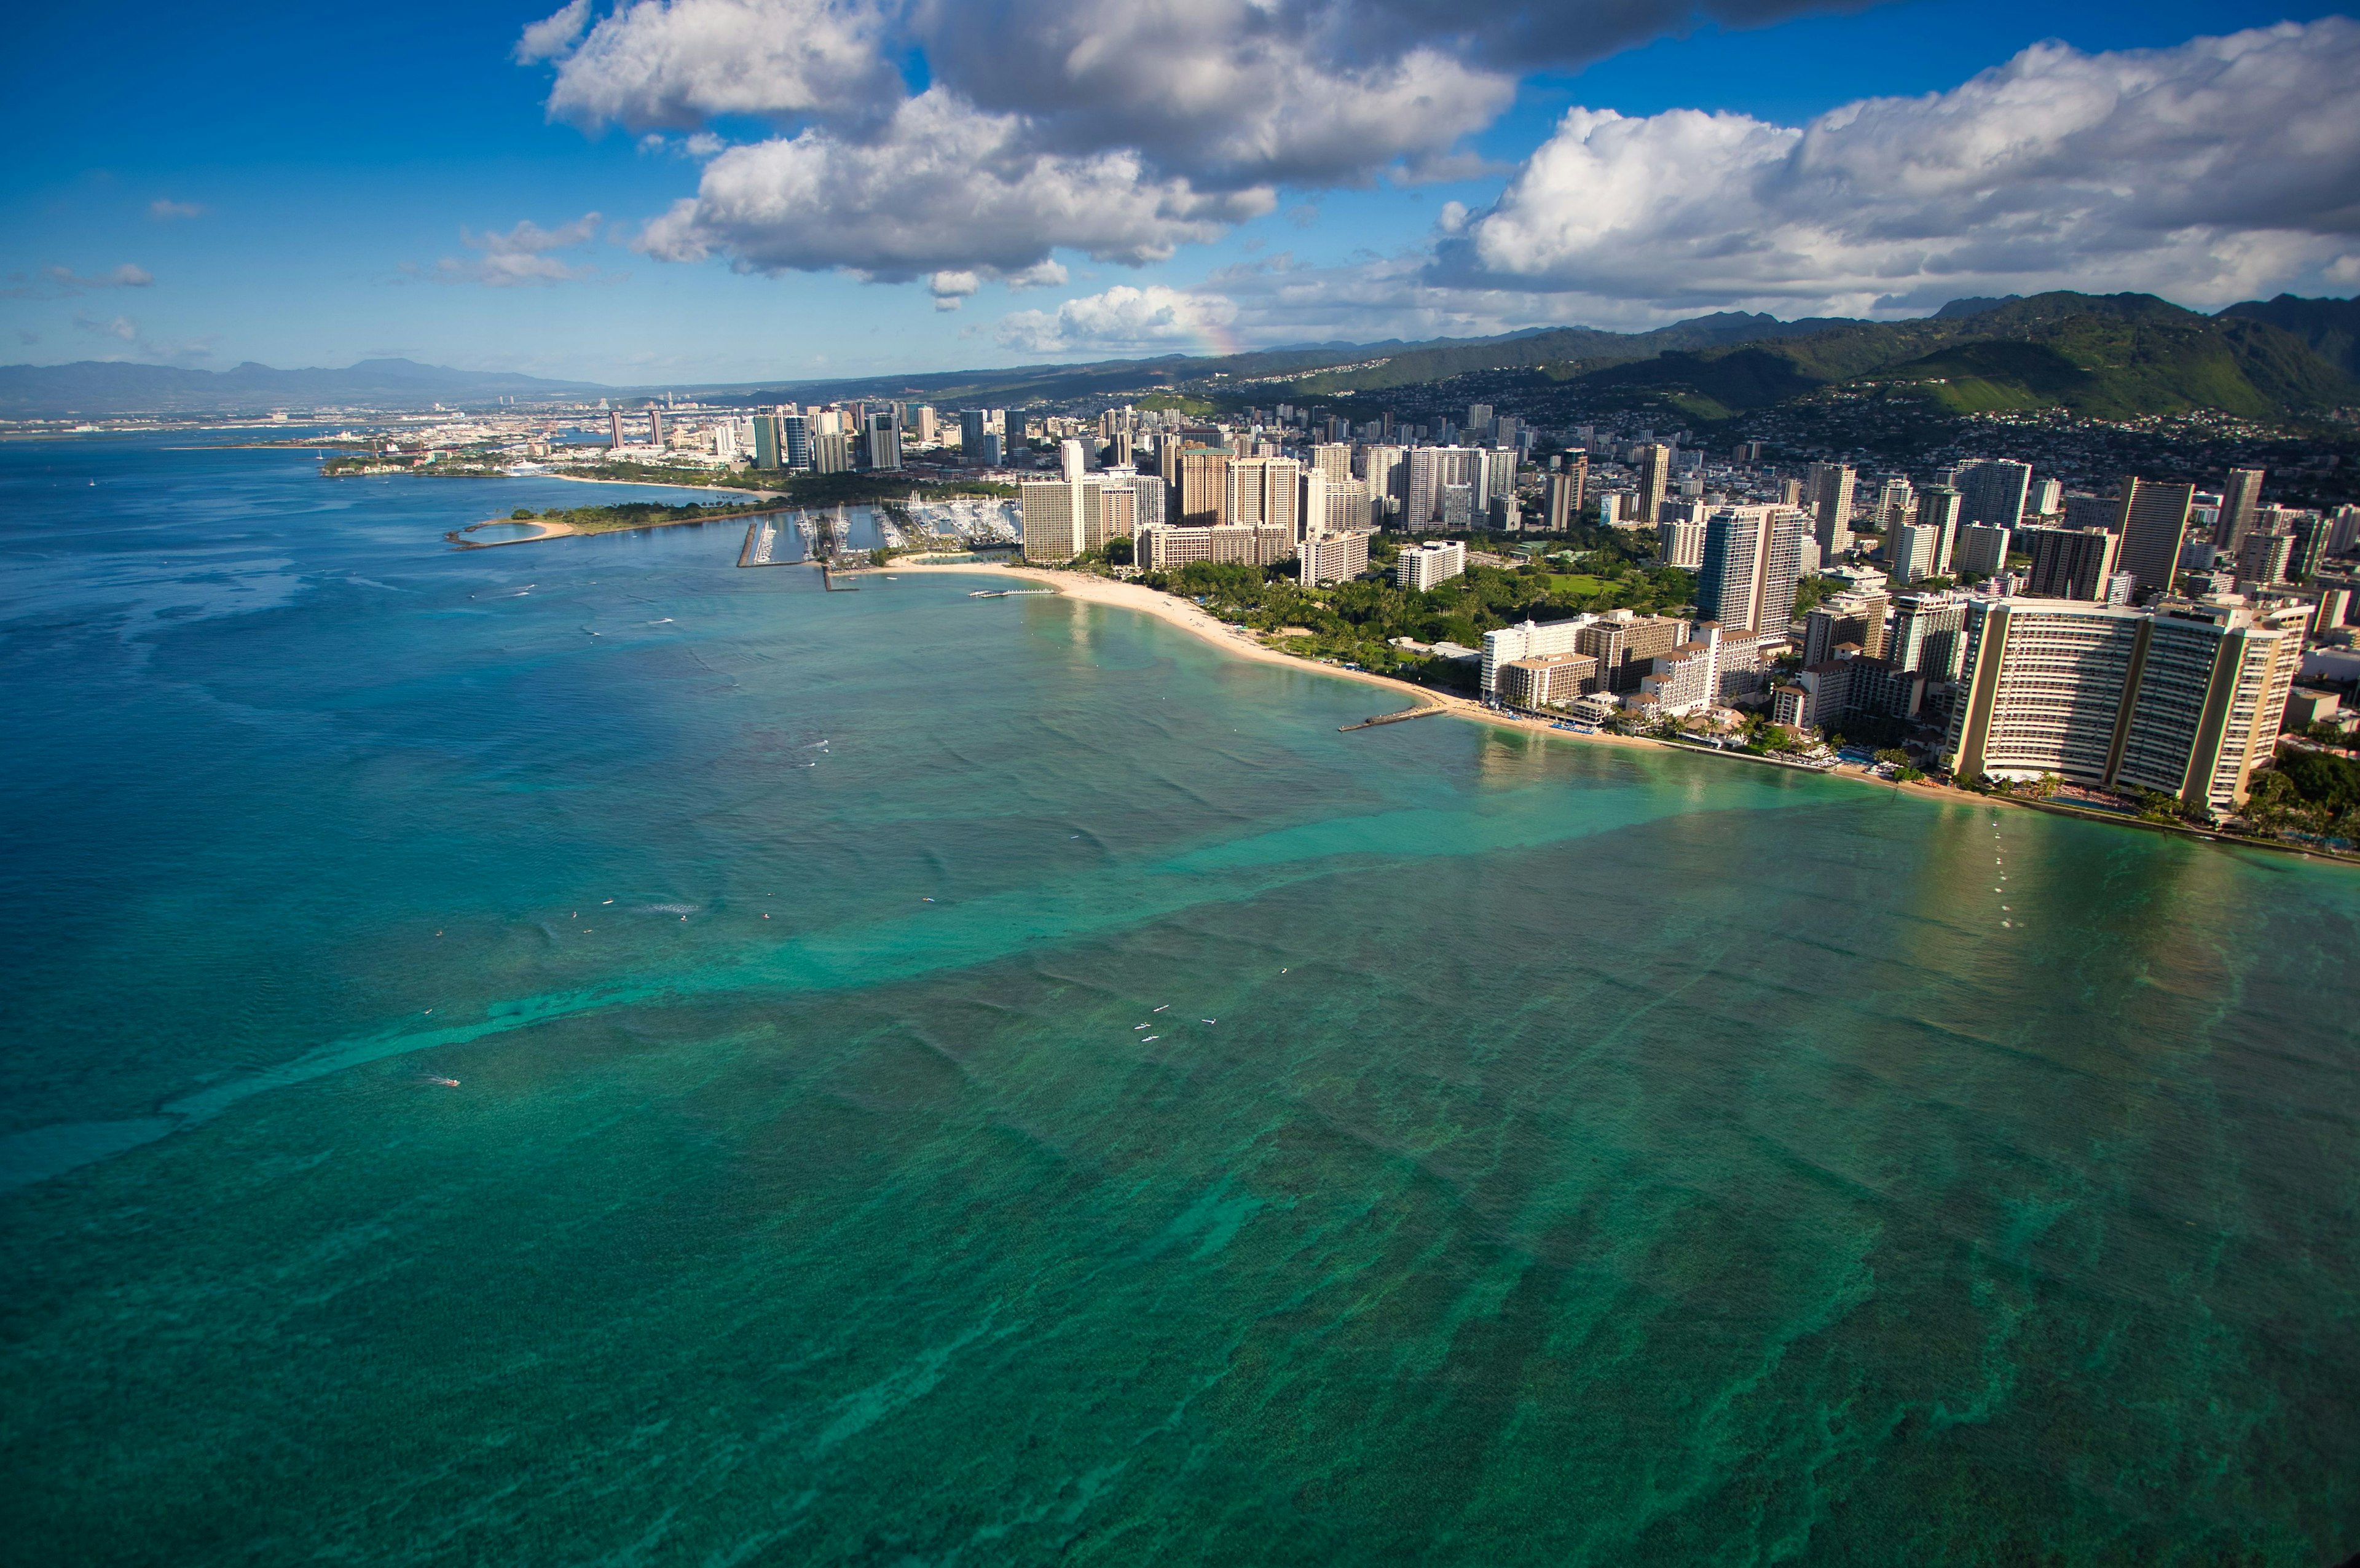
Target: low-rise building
(1332, 558)
(1425, 566)
(1547, 680)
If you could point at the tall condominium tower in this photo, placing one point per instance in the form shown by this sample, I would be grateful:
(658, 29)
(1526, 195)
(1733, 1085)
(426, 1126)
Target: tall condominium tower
(2069, 563)
(1929, 634)
(1333, 459)
(2152, 519)
(1829, 494)
(1565, 488)
(1752, 557)
(1939, 507)
(1654, 478)
(2241, 498)
(1203, 475)
(1993, 494)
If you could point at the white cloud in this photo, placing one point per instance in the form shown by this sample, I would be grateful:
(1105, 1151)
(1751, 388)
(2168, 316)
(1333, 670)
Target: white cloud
(124, 277)
(522, 255)
(1042, 275)
(1123, 320)
(1224, 91)
(950, 289)
(164, 210)
(554, 35)
(1182, 114)
(122, 327)
(2208, 173)
(673, 64)
(942, 188)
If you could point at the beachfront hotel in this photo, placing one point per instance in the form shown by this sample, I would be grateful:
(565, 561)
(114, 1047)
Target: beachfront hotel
(2184, 700)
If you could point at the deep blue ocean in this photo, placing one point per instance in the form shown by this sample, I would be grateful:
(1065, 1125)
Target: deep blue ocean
(582, 1053)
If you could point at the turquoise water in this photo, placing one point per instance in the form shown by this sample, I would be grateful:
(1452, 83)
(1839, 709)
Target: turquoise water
(1596, 1156)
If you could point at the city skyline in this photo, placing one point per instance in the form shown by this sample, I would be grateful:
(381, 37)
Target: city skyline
(685, 190)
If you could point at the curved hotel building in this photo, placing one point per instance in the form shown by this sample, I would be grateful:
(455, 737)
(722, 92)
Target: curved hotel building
(2184, 700)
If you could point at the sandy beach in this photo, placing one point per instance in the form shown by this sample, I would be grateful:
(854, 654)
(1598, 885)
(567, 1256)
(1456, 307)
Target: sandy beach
(1192, 617)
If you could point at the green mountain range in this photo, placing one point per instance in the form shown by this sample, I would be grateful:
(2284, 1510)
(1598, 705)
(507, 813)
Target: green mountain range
(2108, 356)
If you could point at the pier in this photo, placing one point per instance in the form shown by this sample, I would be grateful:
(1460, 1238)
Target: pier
(1405, 715)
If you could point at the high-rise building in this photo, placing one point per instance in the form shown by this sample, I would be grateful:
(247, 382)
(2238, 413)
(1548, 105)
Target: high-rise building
(2185, 701)
(1265, 491)
(794, 438)
(1929, 634)
(614, 429)
(883, 440)
(1051, 510)
(2069, 563)
(2309, 531)
(1983, 550)
(1626, 645)
(1432, 469)
(1897, 503)
(1478, 418)
(1681, 543)
(1332, 558)
(1753, 558)
(766, 440)
(1565, 488)
(2152, 519)
(1072, 461)
(1830, 499)
(655, 427)
(972, 425)
(1913, 551)
(1495, 476)
(2241, 498)
(1854, 617)
(1333, 459)
(2048, 497)
(2262, 556)
(832, 453)
(1752, 565)
(1993, 494)
(1155, 503)
(1654, 462)
(1203, 475)
(1458, 509)
(1385, 469)
(1938, 507)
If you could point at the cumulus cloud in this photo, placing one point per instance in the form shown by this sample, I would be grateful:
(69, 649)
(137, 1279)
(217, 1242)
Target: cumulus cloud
(673, 64)
(554, 35)
(1206, 105)
(1123, 320)
(522, 255)
(1225, 92)
(950, 289)
(2208, 173)
(164, 210)
(944, 188)
(122, 327)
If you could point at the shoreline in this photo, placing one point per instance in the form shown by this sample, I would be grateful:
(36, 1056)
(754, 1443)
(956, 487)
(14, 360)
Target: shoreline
(1190, 616)
(556, 528)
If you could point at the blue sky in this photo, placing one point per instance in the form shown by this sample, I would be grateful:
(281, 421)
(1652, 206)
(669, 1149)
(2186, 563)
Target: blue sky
(310, 188)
